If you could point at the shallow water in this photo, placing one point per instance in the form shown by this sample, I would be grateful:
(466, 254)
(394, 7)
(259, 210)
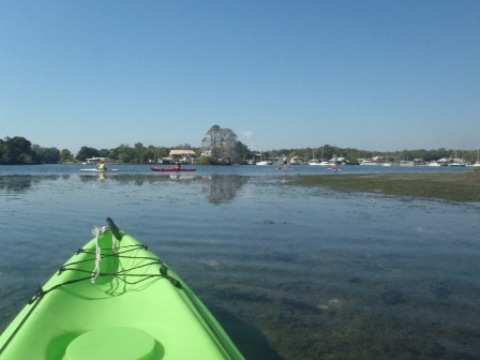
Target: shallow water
(291, 272)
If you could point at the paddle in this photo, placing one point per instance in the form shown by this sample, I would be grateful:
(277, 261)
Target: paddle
(114, 228)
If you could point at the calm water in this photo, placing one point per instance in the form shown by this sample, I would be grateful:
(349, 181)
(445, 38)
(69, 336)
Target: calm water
(291, 272)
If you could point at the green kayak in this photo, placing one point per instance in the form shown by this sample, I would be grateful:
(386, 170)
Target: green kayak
(114, 299)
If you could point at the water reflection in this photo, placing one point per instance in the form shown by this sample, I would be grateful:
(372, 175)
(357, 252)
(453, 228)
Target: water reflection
(319, 274)
(217, 188)
(135, 179)
(222, 188)
(23, 183)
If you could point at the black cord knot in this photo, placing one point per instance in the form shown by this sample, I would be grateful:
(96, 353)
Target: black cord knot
(175, 282)
(164, 270)
(38, 295)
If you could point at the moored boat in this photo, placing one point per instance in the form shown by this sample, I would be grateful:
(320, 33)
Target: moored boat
(366, 162)
(458, 162)
(114, 299)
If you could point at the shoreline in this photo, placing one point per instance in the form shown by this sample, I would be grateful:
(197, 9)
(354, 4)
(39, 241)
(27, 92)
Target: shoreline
(462, 187)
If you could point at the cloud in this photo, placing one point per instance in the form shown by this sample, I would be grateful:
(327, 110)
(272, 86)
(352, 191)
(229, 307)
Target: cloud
(248, 135)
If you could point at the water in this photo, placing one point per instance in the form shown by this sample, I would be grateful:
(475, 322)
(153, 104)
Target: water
(291, 272)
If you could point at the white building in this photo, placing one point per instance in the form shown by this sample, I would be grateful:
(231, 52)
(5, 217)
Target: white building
(180, 156)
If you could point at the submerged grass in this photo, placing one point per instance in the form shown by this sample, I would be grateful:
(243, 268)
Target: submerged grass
(464, 186)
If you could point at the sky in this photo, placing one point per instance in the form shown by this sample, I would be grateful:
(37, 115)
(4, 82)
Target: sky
(370, 74)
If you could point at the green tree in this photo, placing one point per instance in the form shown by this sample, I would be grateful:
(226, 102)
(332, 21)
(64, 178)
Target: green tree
(142, 156)
(104, 153)
(47, 155)
(160, 153)
(65, 156)
(220, 143)
(126, 154)
(2, 149)
(242, 153)
(18, 151)
(87, 152)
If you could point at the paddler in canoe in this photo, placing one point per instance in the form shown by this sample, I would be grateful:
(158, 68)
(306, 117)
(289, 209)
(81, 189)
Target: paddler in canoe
(101, 166)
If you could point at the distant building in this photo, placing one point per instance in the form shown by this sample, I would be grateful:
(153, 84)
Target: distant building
(180, 156)
(295, 160)
(95, 159)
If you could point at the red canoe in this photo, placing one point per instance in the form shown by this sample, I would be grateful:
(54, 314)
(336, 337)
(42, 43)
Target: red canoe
(171, 169)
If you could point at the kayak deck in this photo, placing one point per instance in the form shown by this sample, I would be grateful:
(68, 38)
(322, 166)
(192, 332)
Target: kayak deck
(133, 307)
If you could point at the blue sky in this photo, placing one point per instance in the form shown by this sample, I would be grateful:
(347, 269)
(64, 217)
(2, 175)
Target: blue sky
(373, 75)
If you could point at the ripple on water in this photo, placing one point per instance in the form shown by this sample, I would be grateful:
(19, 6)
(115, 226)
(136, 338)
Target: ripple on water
(314, 273)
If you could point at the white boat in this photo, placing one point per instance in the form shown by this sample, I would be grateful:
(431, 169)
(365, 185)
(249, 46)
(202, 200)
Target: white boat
(295, 161)
(313, 161)
(455, 163)
(434, 163)
(265, 162)
(368, 163)
(386, 161)
(321, 163)
(317, 162)
(458, 162)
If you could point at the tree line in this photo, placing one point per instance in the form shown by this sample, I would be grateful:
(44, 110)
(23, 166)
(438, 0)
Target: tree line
(19, 151)
(218, 146)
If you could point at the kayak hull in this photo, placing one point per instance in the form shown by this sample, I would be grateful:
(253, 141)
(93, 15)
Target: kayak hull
(136, 305)
(171, 169)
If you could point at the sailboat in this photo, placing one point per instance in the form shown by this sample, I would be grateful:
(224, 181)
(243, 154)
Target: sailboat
(315, 161)
(457, 161)
(387, 162)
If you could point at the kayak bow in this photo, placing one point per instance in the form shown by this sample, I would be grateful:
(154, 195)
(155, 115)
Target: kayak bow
(114, 299)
